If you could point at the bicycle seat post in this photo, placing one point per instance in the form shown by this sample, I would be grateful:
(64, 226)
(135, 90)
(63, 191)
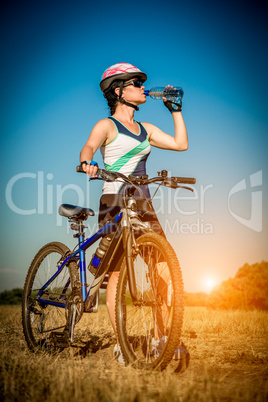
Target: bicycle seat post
(79, 227)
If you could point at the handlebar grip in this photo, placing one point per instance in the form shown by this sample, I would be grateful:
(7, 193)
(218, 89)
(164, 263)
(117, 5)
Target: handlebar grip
(186, 180)
(79, 169)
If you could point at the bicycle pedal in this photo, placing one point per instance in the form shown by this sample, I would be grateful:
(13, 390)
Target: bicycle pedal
(60, 339)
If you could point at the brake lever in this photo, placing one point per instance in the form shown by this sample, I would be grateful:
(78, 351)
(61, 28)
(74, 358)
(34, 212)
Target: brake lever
(109, 177)
(102, 175)
(186, 188)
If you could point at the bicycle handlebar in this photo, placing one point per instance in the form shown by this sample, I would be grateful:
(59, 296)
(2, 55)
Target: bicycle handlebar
(162, 178)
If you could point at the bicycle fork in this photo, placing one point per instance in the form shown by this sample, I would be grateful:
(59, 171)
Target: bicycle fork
(130, 247)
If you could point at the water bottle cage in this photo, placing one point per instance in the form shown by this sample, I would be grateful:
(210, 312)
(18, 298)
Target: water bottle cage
(172, 106)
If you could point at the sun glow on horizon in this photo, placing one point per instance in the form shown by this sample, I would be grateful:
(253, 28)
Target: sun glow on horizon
(209, 283)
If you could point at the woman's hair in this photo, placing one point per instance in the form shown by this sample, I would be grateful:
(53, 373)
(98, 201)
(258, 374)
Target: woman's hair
(111, 96)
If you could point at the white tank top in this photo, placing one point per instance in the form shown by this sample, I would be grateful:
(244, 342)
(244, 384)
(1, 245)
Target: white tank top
(126, 154)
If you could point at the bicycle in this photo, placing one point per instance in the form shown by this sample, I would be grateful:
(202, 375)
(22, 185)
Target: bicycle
(149, 294)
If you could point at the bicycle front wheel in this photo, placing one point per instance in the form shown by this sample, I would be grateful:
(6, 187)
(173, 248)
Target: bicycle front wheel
(45, 321)
(149, 328)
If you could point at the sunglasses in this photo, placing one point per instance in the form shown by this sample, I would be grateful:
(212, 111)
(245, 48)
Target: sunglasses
(135, 83)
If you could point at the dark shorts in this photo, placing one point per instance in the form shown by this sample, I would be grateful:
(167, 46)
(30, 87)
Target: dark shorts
(111, 204)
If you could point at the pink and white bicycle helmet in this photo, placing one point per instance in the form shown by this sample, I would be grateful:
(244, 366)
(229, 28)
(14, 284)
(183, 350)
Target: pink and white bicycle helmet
(120, 71)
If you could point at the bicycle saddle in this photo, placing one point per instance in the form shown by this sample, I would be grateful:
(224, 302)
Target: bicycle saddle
(73, 211)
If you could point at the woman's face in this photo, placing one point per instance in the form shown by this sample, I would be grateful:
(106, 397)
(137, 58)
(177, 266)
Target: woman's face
(133, 92)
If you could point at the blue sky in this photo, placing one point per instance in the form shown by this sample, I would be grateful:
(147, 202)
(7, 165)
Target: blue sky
(53, 55)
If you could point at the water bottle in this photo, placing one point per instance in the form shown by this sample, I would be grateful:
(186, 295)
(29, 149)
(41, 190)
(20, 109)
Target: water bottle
(174, 94)
(97, 257)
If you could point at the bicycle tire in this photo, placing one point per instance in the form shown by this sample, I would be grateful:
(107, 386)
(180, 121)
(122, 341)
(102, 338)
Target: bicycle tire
(158, 279)
(39, 321)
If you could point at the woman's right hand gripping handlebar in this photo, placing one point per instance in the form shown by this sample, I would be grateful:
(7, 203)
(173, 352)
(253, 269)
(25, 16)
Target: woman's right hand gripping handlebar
(90, 167)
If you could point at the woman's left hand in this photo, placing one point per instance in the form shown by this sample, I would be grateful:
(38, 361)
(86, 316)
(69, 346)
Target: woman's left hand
(172, 106)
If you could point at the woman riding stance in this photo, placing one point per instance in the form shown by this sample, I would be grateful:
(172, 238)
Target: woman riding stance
(125, 145)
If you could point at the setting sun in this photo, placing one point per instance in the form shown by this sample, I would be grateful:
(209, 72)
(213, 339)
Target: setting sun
(209, 284)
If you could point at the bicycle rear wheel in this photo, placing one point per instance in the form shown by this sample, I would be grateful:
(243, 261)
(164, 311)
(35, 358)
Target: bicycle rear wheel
(44, 323)
(149, 329)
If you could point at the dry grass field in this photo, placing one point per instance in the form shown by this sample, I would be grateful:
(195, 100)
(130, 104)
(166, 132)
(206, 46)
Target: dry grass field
(229, 362)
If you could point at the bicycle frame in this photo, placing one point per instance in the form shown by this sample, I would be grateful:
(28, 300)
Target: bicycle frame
(83, 245)
(122, 228)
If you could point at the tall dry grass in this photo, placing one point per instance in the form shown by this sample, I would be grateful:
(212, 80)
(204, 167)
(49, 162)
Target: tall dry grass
(229, 362)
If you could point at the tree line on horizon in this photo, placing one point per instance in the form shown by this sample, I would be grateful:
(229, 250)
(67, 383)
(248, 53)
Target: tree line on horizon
(247, 290)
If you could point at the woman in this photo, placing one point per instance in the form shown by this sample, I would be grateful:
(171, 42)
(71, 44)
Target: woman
(125, 145)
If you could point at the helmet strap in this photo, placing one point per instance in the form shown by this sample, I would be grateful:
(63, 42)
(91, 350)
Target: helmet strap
(121, 100)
